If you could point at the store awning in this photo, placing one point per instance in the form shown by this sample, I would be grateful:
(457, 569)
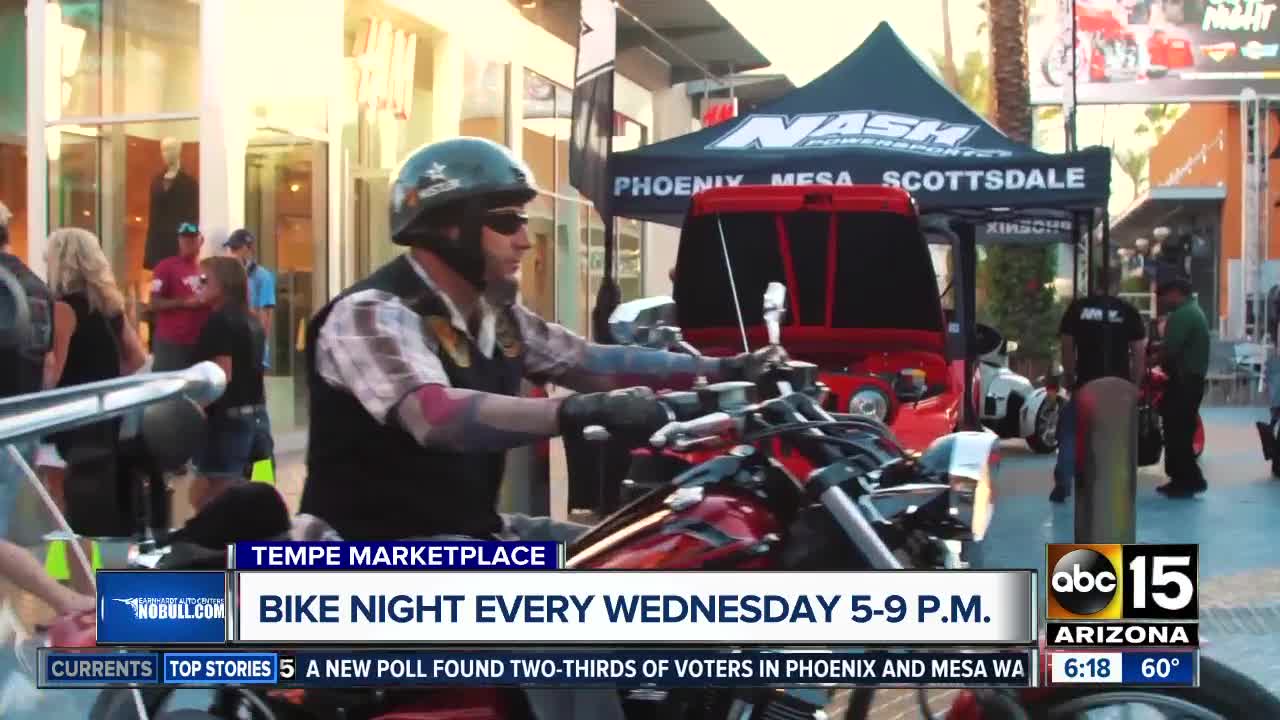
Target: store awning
(695, 27)
(1158, 206)
(750, 89)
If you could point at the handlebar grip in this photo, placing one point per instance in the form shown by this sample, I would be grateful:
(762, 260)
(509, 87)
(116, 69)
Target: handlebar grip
(685, 405)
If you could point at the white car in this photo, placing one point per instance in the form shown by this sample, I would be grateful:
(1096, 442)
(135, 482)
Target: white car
(1012, 407)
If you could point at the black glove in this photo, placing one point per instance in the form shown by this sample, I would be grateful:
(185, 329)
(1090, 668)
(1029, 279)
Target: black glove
(753, 365)
(631, 415)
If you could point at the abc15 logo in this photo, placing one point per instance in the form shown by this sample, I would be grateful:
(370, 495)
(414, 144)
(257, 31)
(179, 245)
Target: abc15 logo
(1123, 582)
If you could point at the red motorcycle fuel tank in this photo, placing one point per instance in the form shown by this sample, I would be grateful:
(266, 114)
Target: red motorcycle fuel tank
(683, 528)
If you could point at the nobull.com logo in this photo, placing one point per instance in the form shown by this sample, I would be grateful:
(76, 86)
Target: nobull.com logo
(175, 608)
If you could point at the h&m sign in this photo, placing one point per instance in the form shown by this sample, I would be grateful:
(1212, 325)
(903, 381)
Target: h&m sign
(385, 59)
(715, 112)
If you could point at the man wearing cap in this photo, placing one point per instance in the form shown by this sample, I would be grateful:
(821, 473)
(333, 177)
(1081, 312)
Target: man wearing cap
(1184, 355)
(262, 302)
(262, 283)
(176, 304)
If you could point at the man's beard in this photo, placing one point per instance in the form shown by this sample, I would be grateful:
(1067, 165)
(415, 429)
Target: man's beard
(502, 291)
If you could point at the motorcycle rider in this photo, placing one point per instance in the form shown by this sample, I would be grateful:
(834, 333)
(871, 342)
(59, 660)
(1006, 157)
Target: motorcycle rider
(414, 371)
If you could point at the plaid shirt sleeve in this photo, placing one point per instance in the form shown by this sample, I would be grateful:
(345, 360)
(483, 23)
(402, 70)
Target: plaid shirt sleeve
(551, 351)
(376, 348)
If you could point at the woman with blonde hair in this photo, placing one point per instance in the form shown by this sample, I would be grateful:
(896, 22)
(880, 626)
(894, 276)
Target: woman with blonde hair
(92, 338)
(92, 341)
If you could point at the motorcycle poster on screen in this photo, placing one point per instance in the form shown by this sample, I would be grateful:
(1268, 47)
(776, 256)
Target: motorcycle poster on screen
(1153, 51)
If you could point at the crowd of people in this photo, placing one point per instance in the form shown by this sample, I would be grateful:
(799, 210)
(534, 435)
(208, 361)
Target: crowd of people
(215, 308)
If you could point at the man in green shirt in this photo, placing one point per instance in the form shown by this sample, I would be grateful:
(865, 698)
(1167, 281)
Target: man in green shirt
(1185, 358)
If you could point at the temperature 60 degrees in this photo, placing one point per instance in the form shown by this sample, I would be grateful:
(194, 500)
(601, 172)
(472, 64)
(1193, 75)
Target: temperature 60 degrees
(1159, 667)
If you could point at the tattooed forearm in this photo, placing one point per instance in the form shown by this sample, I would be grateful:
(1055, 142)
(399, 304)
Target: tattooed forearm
(606, 367)
(471, 421)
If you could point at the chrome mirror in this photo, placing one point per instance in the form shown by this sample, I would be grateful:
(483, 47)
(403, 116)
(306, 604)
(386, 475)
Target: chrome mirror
(775, 304)
(632, 321)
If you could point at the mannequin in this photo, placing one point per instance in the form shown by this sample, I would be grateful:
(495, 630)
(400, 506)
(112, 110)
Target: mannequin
(175, 199)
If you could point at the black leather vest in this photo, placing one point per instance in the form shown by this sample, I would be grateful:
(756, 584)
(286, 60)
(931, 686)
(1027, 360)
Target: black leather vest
(375, 482)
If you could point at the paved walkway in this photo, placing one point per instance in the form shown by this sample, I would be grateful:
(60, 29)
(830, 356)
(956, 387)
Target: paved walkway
(1234, 523)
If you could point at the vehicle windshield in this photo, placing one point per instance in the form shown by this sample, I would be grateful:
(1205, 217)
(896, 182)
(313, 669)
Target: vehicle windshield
(883, 273)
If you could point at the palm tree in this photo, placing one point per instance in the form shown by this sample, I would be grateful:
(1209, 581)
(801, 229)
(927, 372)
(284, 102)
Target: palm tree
(1011, 75)
(1159, 118)
(1017, 277)
(947, 63)
(971, 80)
(1134, 165)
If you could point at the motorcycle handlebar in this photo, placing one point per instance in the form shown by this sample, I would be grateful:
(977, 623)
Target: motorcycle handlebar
(42, 413)
(716, 423)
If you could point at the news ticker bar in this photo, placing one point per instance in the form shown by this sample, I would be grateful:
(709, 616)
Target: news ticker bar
(620, 668)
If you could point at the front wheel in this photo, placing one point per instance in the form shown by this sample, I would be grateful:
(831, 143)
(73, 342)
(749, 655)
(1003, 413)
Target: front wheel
(1224, 694)
(1044, 439)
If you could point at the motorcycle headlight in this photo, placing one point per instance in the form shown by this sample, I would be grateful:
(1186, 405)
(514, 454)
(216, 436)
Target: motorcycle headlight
(870, 402)
(970, 460)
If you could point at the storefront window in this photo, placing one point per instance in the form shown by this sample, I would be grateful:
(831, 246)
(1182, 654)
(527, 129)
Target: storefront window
(484, 104)
(123, 57)
(131, 184)
(381, 124)
(546, 110)
(286, 201)
(13, 120)
(628, 234)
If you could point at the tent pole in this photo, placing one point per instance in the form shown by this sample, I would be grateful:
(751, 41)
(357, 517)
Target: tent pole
(1075, 254)
(1106, 252)
(1088, 257)
(967, 261)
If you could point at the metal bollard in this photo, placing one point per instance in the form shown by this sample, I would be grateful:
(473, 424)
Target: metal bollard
(1106, 461)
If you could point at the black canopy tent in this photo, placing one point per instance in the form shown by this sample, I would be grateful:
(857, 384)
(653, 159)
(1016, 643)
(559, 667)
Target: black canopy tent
(880, 117)
(877, 117)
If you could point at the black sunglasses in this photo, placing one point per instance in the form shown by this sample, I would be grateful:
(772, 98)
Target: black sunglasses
(507, 222)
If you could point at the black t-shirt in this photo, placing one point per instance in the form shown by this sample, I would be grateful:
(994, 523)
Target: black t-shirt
(234, 332)
(1102, 347)
(94, 351)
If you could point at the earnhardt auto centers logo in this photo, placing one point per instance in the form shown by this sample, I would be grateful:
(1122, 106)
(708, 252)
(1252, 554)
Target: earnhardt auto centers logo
(175, 608)
(860, 128)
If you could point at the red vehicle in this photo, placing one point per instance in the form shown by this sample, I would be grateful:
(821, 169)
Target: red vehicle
(1108, 47)
(862, 295)
(1153, 392)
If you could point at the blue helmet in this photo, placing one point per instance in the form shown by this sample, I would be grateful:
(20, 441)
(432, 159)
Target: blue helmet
(437, 181)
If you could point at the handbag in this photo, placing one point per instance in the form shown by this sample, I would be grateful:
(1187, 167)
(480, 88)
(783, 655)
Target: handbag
(1150, 435)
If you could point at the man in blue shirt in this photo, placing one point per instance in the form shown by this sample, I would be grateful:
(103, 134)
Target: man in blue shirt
(262, 284)
(262, 303)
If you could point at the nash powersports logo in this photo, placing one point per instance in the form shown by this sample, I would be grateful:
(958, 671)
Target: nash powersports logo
(175, 608)
(855, 128)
